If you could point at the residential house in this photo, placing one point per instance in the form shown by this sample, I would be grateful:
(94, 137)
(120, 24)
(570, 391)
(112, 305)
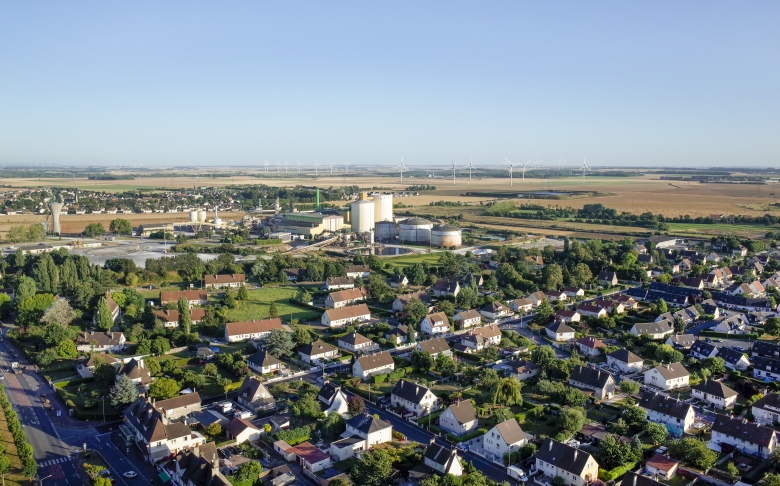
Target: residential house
(610, 305)
(495, 310)
(565, 315)
(589, 346)
(346, 315)
(253, 395)
(434, 347)
(443, 460)
(766, 411)
(558, 331)
(254, 329)
(86, 367)
(416, 399)
(402, 300)
(765, 349)
(398, 280)
(339, 283)
(342, 298)
(295, 274)
(703, 350)
(332, 399)
(656, 330)
(503, 438)
(523, 369)
(574, 292)
(100, 341)
(627, 301)
(481, 338)
(467, 318)
(193, 297)
(678, 416)
(373, 364)
(625, 361)
(264, 362)
(576, 467)
(355, 271)
(459, 418)
(733, 359)
(153, 430)
(743, 436)
(681, 341)
(735, 324)
(444, 288)
(636, 479)
(766, 369)
(715, 393)
(692, 282)
(242, 431)
(667, 376)
(608, 278)
(232, 281)
(137, 372)
(401, 334)
(555, 295)
(537, 298)
(170, 318)
(363, 431)
(357, 343)
(588, 310)
(436, 323)
(317, 352)
(521, 305)
(686, 315)
(663, 467)
(310, 457)
(113, 308)
(599, 382)
(534, 262)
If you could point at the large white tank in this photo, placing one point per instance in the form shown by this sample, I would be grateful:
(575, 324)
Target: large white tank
(362, 215)
(415, 230)
(446, 235)
(193, 216)
(383, 207)
(201, 215)
(385, 230)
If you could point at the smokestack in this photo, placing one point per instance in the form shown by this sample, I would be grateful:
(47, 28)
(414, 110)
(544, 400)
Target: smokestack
(55, 208)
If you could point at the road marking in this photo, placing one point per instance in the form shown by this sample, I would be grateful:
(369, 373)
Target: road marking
(54, 461)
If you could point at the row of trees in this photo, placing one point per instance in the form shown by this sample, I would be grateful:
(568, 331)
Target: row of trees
(23, 448)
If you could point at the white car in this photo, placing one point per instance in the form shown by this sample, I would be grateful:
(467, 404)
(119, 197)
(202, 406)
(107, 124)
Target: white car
(130, 474)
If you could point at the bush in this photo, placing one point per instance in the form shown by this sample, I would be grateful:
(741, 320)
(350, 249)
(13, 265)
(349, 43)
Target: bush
(295, 436)
(380, 378)
(613, 474)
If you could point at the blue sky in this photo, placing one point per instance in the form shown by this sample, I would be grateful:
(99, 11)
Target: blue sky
(235, 83)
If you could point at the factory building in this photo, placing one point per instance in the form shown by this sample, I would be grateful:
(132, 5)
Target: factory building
(306, 223)
(365, 212)
(415, 230)
(385, 230)
(446, 235)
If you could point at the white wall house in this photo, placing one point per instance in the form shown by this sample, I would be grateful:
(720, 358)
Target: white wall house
(625, 361)
(504, 437)
(373, 364)
(416, 399)
(436, 323)
(715, 393)
(677, 415)
(668, 376)
(766, 411)
(575, 467)
(746, 437)
(459, 418)
(558, 331)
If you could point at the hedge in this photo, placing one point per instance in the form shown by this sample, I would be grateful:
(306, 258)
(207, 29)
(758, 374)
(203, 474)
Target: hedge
(268, 241)
(295, 436)
(23, 448)
(77, 381)
(613, 474)
(381, 378)
(739, 337)
(469, 436)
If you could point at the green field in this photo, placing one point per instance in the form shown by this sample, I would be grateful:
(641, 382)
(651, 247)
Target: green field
(404, 261)
(721, 229)
(260, 301)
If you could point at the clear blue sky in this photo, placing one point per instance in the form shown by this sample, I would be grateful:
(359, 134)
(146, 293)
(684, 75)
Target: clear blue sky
(234, 83)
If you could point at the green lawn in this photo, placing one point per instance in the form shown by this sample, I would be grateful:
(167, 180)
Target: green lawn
(404, 261)
(720, 228)
(260, 301)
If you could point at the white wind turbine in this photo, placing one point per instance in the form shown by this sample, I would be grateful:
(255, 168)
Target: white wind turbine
(524, 165)
(471, 167)
(511, 167)
(453, 173)
(584, 168)
(278, 166)
(331, 167)
(402, 168)
(560, 164)
(266, 165)
(346, 168)
(316, 167)
(285, 165)
(299, 167)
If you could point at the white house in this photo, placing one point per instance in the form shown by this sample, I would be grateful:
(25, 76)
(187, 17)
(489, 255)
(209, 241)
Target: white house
(170, 317)
(715, 393)
(601, 383)
(576, 467)
(467, 318)
(442, 459)
(332, 399)
(558, 331)
(318, 351)
(401, 334)
(254, 329)
(681, 341)
(574, 292)
(677, 415)
(766, 368)
(566, 315)
(656, 330)
(193, 297)
(703, 350)
(625, 361)
(339, 283)
(253, 395)
(224, 281)
(668, 376)
(436, 323)
(589, 346)
(523, 369)
(434, 347)
(521, 305)
(746, 437)
(373, 364)
(588, 310)
(242, 431)
(459, 418)
(264, 362)
(482, 338)
(357, 343)
(155, 433)
(495, 310)
(346, 315)
(414, 398)
(363, 431)
(355, 271)
(91, 341)
(504, 437)
(342, 298)
(766, 411)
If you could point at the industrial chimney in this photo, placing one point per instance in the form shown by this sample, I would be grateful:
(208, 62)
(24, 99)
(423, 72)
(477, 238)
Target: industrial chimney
(55, 207)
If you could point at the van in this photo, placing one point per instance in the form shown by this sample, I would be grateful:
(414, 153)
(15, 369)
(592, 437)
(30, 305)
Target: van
(516, 473)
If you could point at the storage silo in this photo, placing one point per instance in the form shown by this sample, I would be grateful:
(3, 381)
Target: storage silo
(415, 230)
(385, 230)
(193, 216)
(383, 207)
(362, 215)
(201, 215)
(446, 235)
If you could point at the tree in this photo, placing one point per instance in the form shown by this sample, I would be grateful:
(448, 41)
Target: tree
(273, 313)
(307, 406)
(693, 451)
(416, 310)
(154, 366)
(214, 429)
(552, 276)
(185, 318)
(163, 388)
(467, 297)
(243, 293)
(160, 345)
(772, 326)
(715, 365)
(657, 432)
(333, 425)
(661, 306)
(502, 415)
(507, 392)
(105, 375)
(249, 471)
(543, 313)
(615, 451)
(667, 354)
(629, 387)
(542, 354)
(302, 336)
(54, 334)
(491, 353)
(230, 300)
(355, 405)
(67, 350)
(446, 307)
(210, 369)
(124, 392)
(771, 480)
(373, 469)
(5, 466)
(103, 318)
(422, 360)
(120, 226)
(572, 419)
(94, 229)
(25, 289)
(446, 365)
(580, 274)
(634, 416)
(279, 343)
(47, 274)
(60, 313)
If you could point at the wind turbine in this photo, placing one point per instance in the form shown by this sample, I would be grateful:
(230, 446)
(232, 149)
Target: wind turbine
(331, 167)
(278, 167)
(299, 167)
(511, 166)
(584, 168)
(316, 167)
(346, 168)
(402, 167)
(266, 165)
(453, 173)
(285, 166)
(524, 165)
(560, 164)
(470, 167)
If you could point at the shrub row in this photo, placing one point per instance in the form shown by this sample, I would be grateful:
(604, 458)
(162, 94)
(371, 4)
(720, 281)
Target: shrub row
(741, 337)
(295, 436)
(77, 381)
(613, 474)
(23, 448)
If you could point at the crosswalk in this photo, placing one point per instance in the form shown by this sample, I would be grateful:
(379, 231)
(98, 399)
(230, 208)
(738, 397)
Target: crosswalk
(54, 461)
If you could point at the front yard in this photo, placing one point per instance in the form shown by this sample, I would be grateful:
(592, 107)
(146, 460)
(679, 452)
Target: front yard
(259, 302)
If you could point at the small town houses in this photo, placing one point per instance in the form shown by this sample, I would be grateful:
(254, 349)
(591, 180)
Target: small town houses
(357, 343)
(625, 361)
(656, 330)
(593, 381)
(317, 352)
(374, 364)
(442, 459)
(467, 318)
(576, 467)
(766, 411)
(436, 323)
(332, 399)
(343, 316)
(253, 395)
(676, 415)
(224, 281)
(434, 347)
(481, 338)
(746, 437)
(264, 363)
(668, 376)
(170, 317)
(558, 331)
(459, 418)
(589, 346)
(193, 297)
(91, 341)
(416, 399)
(505, 437)
(363, 431)
(254, 329)
(495, 310)
(342, 298)
(715, 393)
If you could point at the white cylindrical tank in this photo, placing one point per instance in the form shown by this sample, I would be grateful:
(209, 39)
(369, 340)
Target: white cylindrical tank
(415, 230)
(193, 216)
(385, 230)
(362, 215)
(383, 207)
(201, 215)
(446, 235)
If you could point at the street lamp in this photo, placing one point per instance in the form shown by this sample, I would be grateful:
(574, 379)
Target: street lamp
(103, 399)
(40, 481)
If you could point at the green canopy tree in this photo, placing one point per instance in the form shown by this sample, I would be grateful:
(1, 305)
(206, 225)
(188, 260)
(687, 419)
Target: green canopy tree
(103, 319)
(373, 469)
(279, 343)
(120, 226)
(507, 392)
(124, 392)
(185, 318)
(163, 388)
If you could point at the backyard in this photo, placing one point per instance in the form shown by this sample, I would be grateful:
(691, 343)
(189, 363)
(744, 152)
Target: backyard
(259, 302)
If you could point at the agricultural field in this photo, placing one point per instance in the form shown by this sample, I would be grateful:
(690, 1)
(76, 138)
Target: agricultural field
(260, 301)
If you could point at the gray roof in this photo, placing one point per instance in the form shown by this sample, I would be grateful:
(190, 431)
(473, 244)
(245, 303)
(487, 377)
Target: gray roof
(672, 370)
(441, 455)
(703, 347)
(328, 391)
(559, 328)
(769, 402)
(715, 388)
(590, 376)
(434, 346)
(563, 456)
(664, 404)
(317, 348)
(409, 391)
(634, 479)
(730, 355)
(652, 327)
(743, 430)
(464, 411)
(511, 432)
(625, 356)
(684, 340)
(263, 359)
(367, 423)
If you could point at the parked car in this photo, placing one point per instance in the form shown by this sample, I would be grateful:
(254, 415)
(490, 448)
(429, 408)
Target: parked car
(225, 453)
(130, 474)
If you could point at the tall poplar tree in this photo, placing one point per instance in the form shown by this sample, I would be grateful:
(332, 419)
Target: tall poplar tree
(185, 318)
(103, 318)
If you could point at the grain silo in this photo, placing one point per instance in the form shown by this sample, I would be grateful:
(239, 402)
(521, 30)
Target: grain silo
(383, 207)
(193, 216)
(362, 215)
(385, 230)
(446, 235)
(201, 215)
(415, 230)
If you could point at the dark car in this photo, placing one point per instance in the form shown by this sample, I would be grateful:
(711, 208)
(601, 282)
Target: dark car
(225, 453)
